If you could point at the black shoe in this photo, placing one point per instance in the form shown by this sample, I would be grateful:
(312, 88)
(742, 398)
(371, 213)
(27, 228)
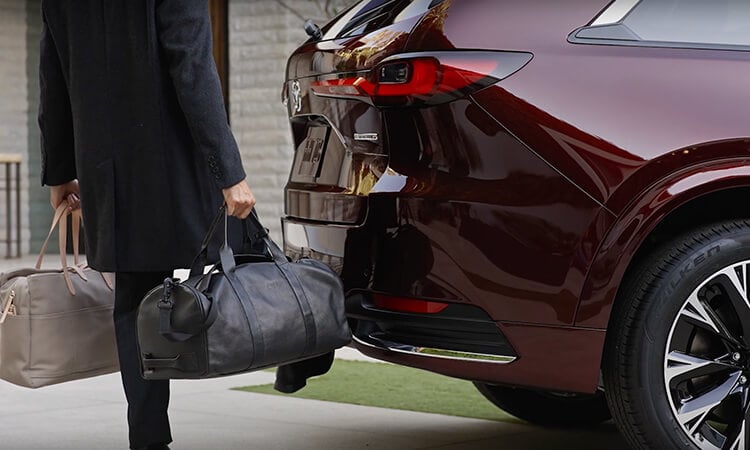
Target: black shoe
(153, 447)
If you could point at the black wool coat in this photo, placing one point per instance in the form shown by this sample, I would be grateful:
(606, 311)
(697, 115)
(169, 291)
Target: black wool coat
(131, 106)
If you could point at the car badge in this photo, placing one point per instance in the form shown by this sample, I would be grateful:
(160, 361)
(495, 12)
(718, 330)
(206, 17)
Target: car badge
(371, 137)
(296, 96)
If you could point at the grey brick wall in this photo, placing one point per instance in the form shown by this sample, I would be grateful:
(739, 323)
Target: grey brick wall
(40, 212)
(13, 104)
(262, 34)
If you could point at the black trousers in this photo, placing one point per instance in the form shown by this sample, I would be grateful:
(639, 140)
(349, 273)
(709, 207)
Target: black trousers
(148, 401)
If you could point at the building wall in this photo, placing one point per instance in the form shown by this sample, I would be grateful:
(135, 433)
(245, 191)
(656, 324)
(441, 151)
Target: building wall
(262, 34)
(14, 108)
(40, 212)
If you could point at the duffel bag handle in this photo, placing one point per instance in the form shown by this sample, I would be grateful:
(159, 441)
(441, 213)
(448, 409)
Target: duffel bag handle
(199, 262)
(227, 255)
(227, 259)
(262, 235)
(228, 265)
(253, 233)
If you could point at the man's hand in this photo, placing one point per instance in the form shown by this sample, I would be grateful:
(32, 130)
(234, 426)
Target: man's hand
(68, 191)
(240, 200)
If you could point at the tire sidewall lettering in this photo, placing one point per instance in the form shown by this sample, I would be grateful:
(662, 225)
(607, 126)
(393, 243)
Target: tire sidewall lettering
(680, 281)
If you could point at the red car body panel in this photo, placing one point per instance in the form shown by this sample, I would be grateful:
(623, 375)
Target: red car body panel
(632, 228)
(529, 198)
(568, 350)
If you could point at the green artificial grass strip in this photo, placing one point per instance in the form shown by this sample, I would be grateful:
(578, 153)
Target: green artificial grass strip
(395, 387)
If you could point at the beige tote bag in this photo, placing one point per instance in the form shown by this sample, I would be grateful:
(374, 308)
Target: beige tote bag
(56, 325)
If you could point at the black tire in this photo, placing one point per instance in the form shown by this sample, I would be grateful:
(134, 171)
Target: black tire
(678, 343)
(548, 409)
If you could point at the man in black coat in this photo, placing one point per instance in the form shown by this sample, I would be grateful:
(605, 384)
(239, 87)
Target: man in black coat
(134, 132)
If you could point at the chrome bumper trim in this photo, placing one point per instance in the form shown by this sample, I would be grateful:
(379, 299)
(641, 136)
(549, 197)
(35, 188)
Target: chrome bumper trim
(429, 352)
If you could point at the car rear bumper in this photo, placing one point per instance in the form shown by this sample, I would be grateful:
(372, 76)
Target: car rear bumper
(465, 342)
(551, 358)
(458, 332)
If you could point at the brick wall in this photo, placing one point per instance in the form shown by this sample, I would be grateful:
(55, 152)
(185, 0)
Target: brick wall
(13, 104)
(262, 34)
(40, 212)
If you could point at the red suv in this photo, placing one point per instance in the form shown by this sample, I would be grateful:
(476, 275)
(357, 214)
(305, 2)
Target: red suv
(550, 199)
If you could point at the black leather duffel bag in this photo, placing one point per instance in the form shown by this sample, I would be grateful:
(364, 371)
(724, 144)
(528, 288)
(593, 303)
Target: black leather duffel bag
(249, 312)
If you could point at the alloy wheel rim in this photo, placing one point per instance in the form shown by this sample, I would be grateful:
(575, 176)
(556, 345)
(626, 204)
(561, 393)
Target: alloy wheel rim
(707, 361)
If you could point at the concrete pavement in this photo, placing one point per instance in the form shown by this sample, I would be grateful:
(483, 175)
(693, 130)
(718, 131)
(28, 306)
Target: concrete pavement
(206, 414)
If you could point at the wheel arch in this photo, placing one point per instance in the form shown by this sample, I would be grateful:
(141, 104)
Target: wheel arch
(688, 199)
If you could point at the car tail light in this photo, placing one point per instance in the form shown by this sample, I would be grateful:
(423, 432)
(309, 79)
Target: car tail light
(410, 305)
(424, 78)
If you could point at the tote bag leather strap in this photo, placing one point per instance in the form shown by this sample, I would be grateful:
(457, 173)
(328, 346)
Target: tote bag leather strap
(59, 213)
(63, 243)
(60, 222)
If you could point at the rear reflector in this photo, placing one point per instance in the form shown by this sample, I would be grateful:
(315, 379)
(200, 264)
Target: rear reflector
(424, 78)
(410, 305)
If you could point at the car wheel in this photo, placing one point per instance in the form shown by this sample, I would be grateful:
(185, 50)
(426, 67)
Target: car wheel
(548, 408)
(677, 358)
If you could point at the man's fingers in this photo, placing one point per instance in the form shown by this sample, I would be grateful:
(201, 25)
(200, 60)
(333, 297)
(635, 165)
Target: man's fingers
(74, 202)
(69, 192)
(240, 209)
(240, 200)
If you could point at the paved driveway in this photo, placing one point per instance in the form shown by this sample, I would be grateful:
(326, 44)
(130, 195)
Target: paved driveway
(90, 414)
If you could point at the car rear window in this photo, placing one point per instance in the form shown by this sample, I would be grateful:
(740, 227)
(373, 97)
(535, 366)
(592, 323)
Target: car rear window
(370, 15)
(684, 23)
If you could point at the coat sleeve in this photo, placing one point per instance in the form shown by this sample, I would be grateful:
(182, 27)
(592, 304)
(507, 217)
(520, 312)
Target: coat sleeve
(55, 116)
(184, 29)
